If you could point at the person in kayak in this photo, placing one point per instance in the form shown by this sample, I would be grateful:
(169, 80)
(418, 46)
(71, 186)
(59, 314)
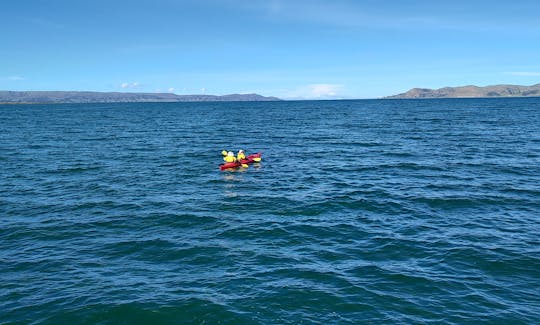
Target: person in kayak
(241, 155)
(230, 158)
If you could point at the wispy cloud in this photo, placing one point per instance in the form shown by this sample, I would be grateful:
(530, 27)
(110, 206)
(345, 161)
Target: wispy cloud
(45, 23)
(15, 78)
(524, 73)
(161, 90)
(130, 85)
(316, 91)
(356, 14)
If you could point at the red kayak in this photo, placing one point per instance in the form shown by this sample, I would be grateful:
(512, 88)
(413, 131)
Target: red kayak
(256, 157)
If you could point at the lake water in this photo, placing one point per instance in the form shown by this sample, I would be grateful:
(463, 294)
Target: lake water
(368, 211)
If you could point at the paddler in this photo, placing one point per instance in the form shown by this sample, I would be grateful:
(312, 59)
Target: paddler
(230, 158)
(241, 155)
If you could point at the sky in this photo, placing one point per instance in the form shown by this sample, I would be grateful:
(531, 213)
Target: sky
(292, 49)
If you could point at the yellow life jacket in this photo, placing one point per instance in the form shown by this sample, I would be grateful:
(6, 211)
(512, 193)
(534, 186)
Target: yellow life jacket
(229, 159)
(241, 156)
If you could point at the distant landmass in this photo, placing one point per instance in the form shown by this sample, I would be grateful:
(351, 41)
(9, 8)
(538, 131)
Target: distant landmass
(118, 97)
(472, 92)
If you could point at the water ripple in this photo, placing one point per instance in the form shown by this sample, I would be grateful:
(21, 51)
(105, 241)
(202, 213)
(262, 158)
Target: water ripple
(361, 212)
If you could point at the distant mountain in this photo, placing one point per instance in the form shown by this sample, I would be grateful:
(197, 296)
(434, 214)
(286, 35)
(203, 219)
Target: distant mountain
(472, 92)
(116, 97)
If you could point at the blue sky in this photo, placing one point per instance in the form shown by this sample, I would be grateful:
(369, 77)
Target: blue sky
(291, 49)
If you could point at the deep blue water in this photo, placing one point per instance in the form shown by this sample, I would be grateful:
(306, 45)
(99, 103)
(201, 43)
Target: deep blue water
(370, 211)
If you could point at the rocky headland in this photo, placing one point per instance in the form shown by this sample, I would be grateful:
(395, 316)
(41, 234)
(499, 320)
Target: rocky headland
(472, 92)
(14, 97)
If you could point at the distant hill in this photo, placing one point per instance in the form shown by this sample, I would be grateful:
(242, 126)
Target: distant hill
(117, 97)
(472, 92)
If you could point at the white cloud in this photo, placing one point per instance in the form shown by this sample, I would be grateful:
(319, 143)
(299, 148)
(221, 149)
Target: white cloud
(324, 90)
(128, 85)
(316, 91)
(525, 73)
(171, 89)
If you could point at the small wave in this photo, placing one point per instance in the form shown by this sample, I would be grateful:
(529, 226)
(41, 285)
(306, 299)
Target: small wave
(457, 202)
(74, 170)
(184, 311)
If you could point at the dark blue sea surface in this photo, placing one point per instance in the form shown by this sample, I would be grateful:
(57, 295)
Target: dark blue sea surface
(369, 211)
